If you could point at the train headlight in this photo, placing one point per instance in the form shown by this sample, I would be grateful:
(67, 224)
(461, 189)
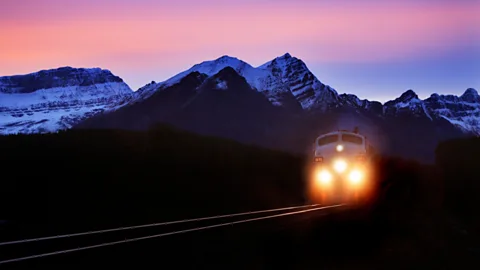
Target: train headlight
(324, 177)
(339, 148)
(340, 165)
(355, 177)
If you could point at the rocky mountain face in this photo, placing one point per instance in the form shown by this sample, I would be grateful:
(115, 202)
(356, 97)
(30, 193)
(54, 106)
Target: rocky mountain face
(462, 111)
(285, 81)
(51, 100)
(408, 104)
(223, 104)
(352, 101)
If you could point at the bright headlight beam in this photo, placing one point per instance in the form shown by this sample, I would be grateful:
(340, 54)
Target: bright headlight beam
(325, 177)
(339, 148)
(355, 177)
(340, 166)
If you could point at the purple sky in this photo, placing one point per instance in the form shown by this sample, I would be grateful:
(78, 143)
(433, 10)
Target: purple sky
(375, 49)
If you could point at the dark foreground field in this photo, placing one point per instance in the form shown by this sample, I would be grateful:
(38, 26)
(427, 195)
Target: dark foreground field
(424, 216)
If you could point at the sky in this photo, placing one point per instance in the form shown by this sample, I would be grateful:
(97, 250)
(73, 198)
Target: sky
(376, 49)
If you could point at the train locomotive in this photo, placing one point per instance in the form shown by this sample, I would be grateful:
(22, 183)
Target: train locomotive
(341, 170)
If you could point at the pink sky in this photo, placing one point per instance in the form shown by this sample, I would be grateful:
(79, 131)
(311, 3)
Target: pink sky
(138, 38)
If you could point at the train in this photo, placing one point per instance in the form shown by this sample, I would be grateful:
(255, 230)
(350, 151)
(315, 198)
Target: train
(341, 168)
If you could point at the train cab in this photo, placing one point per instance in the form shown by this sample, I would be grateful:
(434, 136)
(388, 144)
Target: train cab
(341, 169)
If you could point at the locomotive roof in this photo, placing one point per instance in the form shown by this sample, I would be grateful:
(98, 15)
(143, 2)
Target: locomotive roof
(341, 132)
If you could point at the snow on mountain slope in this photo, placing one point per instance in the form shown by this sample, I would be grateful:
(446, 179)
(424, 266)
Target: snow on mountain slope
(287, 73)
(51, 100)
(407, 104)
(286, 81)
(210, 68)
(463, 111)
(279, 79)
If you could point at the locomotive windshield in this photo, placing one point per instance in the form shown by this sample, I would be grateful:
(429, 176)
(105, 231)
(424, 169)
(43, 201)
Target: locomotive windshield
(327, 139)
(352, 139)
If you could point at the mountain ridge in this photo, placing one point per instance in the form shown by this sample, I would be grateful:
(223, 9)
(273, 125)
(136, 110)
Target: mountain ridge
(226, 105)
(285, 81)
(278, 79)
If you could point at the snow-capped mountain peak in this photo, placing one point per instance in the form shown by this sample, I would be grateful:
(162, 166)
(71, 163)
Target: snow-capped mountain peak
(226, 59)
(210, 68)
(282, 62)
(294, 75)
(214, 66)
(281, 80)
(407, 104)
(50, 100)
(282, 58)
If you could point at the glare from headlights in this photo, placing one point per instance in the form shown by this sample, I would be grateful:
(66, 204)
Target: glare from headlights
(325, 177)
(340, 166)
(339, 148)
(355, 177)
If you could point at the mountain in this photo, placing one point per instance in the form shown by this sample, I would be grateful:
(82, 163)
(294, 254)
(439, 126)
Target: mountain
(51, 100)
(463, 111)
(285, 81)
(279, 104)
(411, 127)
(223, 104)
(408, 104)
(364, 105)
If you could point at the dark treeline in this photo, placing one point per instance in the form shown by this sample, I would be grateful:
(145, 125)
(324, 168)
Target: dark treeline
(92, 179)
(459, 163)
(87, 179)
(428, 214)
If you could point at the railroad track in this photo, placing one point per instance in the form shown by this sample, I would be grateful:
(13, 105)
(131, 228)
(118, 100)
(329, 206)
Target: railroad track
(52, 247)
